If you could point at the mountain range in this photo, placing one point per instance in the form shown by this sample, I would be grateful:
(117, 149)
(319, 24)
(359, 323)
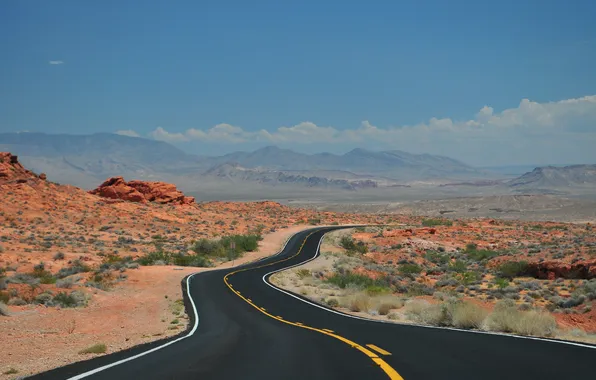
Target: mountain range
(87, 160)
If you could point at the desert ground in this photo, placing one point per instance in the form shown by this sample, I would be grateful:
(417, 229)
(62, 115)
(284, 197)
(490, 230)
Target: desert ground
(88, 273)
(512, 277)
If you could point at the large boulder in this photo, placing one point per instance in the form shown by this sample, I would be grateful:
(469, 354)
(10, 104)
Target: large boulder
(552, 269)
(142, 191)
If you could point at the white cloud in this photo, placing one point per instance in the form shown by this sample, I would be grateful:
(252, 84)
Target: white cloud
(56, 62)
(161, 134)
(531, 127)
(127, 132)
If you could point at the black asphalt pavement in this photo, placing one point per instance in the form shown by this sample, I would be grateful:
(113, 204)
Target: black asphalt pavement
(263, 333)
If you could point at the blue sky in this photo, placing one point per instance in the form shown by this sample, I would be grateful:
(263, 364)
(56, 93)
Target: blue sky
(218, 76)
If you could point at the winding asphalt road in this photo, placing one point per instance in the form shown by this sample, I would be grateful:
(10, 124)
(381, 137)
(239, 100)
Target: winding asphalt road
(248, 329)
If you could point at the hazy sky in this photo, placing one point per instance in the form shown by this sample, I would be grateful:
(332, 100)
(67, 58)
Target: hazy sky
(487, 82)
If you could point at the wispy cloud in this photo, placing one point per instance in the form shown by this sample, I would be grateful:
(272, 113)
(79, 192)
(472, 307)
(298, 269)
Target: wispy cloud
(56, 62)
(127, 132)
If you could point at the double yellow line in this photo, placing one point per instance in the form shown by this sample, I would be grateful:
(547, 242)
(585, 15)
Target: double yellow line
(393, 375)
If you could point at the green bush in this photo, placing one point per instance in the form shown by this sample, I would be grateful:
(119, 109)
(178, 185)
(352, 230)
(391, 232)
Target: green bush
(152, 257)
(191, 261)
(458, 266)
(348, 244)
(409, 269)
(436, 257)
(480, 254)
(501, 283)
(352, 279)
(513, 269)
(244, 243)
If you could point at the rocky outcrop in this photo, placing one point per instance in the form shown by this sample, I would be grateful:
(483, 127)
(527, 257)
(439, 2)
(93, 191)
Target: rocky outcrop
(552, 269)
(11, 170)
(142, 191)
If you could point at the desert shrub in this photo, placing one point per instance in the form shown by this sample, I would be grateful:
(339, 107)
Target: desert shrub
(347, 243)
(501, 283)
(467, 278)
(332, 302)
(466, 315)
(191, 260)
(573, 301)
(409, 269)
(155, 258)
(386, 305)
(348, 278)
(59, 256)
(66, 283)
(507, 318)
(303, 273)
(375, 290)
(436, 257)
(589, 289)
(77, 266)
(17, 301)
(244, 243)
(360, 302)
(512, 269)
(74, 299)
(423, 312)
(479, 254)
(44, 298)
(4, 297)
(436, 222)
(446, 281)
(208, 247)
(4, 309)
(417, 289)
(23, 278)
(99, 348)
(458, 266)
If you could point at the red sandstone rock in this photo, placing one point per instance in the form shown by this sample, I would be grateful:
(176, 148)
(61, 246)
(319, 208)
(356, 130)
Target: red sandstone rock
(12, 170)
(584, 269)
(142, 191)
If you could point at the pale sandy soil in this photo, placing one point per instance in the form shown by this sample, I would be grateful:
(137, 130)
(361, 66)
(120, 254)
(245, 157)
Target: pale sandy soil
(136, 311)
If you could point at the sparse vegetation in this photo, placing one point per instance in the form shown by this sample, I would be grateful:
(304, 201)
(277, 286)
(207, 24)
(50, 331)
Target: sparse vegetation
(98, 348)
(436, 222)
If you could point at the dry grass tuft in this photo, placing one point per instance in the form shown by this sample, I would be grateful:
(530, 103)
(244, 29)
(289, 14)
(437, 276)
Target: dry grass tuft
(99, 348)
(507, 318)
(360, 302)
(466, 315)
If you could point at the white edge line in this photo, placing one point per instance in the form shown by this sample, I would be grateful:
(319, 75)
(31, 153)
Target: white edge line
(191, 333)
(196, 325)
(405, 324)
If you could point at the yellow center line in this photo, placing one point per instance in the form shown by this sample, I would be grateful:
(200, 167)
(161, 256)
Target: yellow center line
(378, 349)
(392, 373)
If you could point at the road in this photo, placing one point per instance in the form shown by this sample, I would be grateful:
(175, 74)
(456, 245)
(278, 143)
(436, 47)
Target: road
(248, 329)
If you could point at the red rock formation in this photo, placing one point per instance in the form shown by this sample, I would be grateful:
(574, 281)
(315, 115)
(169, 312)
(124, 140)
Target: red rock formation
(584, 269)
(142, 191)
(12, 170)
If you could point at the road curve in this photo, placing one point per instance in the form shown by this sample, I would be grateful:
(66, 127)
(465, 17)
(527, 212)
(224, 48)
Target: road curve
(247, 328)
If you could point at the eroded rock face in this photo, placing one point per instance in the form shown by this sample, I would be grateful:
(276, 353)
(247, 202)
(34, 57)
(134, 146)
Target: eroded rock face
(142, 191)
(551, 270)
(12, 170)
